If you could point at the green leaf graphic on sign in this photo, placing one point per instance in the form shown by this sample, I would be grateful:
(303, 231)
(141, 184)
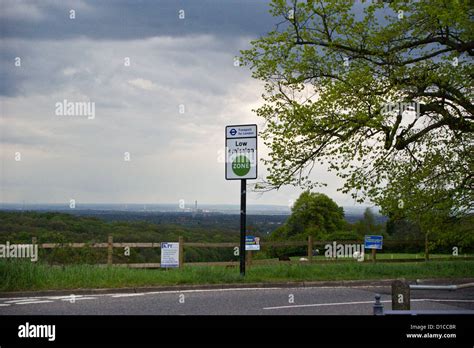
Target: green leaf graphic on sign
(241, 165)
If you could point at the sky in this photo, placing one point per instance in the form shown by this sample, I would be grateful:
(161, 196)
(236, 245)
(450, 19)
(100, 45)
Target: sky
(163, 89)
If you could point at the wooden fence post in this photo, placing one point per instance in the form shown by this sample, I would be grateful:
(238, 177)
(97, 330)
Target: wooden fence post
(110, 250)
(310, 248)
(181, 251)
(249, 258)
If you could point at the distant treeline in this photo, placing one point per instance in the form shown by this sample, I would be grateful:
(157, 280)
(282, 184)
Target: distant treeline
(56, 227)
(52, 227)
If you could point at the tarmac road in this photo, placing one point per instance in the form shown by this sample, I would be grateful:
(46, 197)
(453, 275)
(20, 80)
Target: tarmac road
(258, 301)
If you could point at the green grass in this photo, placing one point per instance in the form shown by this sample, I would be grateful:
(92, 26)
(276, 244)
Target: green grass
(24, 275)
(385, 256)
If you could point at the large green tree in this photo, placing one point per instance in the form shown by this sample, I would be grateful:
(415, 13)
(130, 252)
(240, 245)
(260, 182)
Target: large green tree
(338, 75)
(368, 224)
(312, 214)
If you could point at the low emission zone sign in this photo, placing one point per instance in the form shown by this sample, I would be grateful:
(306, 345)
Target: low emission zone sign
(241, 152)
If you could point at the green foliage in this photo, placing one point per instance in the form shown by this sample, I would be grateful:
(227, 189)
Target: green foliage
(367, 225)
(51, 227)
(330, 75)
(313, 214)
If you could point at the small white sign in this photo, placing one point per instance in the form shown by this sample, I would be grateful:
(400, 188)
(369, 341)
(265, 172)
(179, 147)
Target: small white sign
(252, 243)
(242, 131)
(169, 255)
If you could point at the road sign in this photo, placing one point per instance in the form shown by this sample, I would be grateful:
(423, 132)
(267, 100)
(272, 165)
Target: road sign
(252, 243)
(169, 255)
(241, 164)
(241, 152)
(373, 242)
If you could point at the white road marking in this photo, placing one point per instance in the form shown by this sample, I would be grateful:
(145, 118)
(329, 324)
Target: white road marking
(324, 304)
(4, 305)
(202, 290)
(33, 302)
(441, 300)
(22, 300)
(147, 293)
(37, 299)
(361, 302)
(209, 290)
(127, 295)
(27, 299)
(63, 297)
(72, 300)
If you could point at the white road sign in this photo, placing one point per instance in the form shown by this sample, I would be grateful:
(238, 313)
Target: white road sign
(241, 152)
(169, 255)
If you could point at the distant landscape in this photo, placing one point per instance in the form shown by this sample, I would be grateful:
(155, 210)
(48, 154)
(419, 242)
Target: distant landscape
(351, 212)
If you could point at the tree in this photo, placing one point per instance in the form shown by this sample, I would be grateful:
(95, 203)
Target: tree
(367, 225)
(339, 79)
(312, 214)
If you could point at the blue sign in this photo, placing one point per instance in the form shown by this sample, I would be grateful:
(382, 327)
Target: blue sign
(233, 131)
(373, 242)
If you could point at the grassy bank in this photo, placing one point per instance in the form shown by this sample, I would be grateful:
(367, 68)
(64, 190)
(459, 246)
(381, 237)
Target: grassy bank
(21, 275)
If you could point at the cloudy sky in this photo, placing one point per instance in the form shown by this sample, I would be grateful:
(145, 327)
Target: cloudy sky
(176, 64)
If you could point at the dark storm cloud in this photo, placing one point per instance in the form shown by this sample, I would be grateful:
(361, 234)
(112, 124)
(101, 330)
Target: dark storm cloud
(128, 20)
(174, 62)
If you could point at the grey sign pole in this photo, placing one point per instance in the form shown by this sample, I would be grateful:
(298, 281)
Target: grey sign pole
(243, 208)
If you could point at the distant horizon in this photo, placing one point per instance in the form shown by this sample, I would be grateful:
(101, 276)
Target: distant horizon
(258, 209)
(171, 204)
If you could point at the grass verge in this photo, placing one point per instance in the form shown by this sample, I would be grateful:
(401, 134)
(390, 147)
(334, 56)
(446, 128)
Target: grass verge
(388, 256)
(24, 275)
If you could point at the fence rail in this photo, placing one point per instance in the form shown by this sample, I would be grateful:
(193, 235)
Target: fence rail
(205, 245)
(158, 245)
(110, 245)
(310, 244)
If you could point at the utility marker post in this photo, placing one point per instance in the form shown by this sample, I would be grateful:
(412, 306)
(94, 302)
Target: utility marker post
(241, 164)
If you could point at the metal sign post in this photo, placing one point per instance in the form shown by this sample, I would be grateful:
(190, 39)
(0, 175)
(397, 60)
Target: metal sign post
(243, 208)
(241, 164)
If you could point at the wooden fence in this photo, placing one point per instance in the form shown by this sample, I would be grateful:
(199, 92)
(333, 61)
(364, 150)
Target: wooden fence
(110, 245)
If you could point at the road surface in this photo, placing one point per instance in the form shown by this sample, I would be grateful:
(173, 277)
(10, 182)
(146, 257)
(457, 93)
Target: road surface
(269, 301)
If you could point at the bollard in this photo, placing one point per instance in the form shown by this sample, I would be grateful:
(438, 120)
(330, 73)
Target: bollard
(378, 306)
(400, 295)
